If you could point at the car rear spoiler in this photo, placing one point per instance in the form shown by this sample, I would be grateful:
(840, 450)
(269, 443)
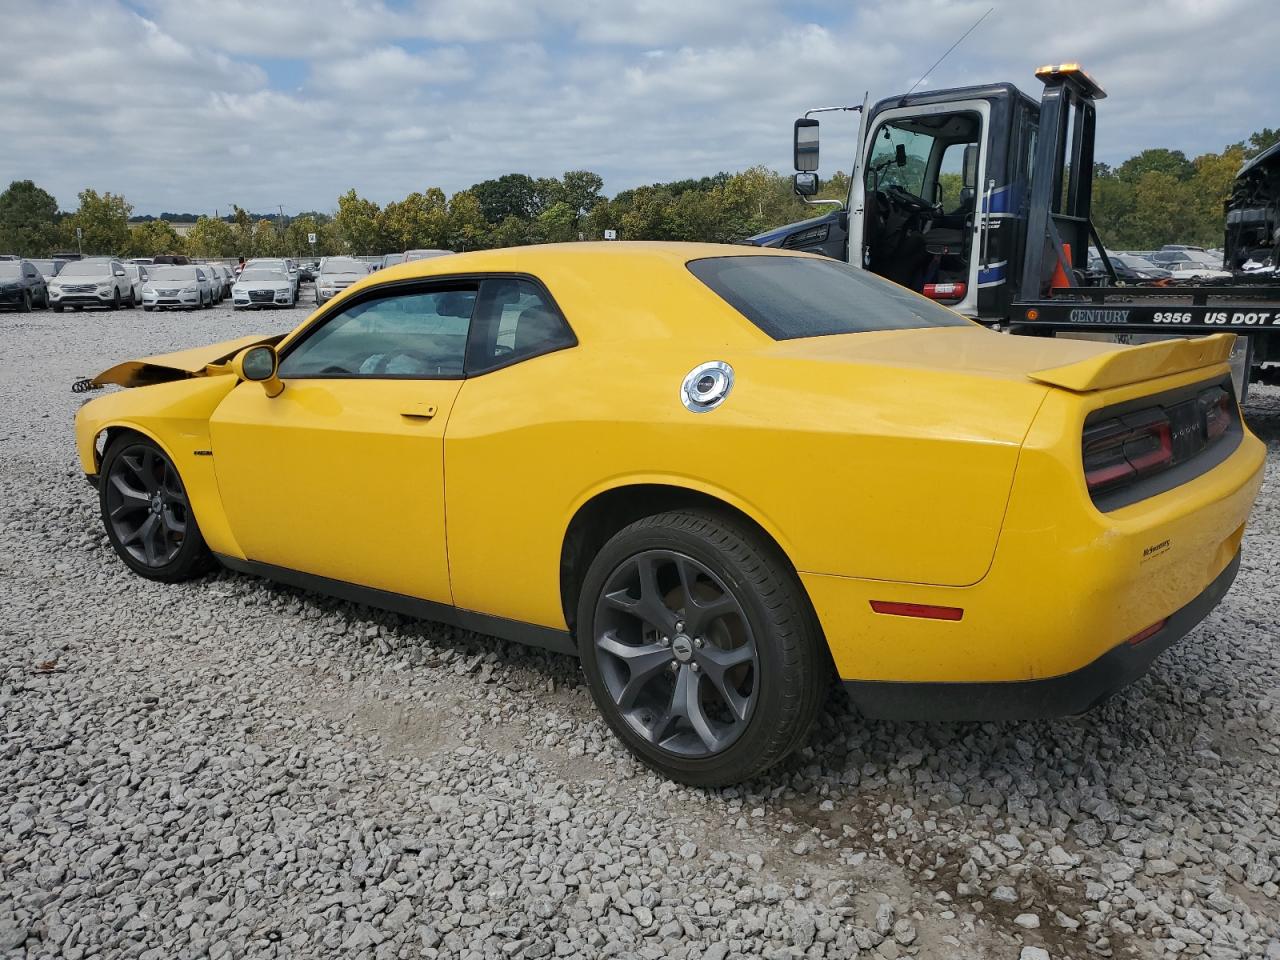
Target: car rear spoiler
(1147, 361)
(181, 365)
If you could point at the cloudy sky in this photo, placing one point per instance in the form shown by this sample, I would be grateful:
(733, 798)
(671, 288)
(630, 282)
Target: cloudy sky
(195, 104)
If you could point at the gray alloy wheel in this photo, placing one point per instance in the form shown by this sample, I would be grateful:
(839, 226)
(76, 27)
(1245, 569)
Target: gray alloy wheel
(146, 506)
(677, 653)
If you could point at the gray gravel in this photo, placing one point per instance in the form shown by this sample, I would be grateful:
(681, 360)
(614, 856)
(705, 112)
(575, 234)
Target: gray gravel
(226, 768)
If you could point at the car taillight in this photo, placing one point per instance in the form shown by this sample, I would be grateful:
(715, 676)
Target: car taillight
(1215, 405)
(945, 291)
(1117, 451)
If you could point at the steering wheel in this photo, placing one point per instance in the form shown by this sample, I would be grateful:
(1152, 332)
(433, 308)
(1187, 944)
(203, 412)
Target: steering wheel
(913, 204)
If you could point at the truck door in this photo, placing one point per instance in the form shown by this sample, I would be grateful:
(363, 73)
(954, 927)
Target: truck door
(919, 197)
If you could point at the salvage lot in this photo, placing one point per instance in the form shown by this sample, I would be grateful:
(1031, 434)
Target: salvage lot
(231, 768)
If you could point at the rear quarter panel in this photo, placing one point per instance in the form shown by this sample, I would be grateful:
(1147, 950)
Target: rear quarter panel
(855, 470)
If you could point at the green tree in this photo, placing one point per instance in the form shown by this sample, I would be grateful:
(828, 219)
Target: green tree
(103, 220)
(1257, 142)
(512, 195)
(357, 224)
(267, 241)
(420, 220)
(153, 237)
(468, 229)
(28, 220)
(211, 237)
(300, 228)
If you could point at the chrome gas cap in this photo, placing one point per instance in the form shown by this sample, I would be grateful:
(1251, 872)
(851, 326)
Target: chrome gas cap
(706, 386)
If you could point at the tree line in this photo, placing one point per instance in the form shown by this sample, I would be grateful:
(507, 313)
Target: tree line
(1158, 196)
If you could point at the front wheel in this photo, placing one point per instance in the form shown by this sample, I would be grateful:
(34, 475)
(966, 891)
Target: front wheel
(25, 304)
(115, 301)
(700, 648)
(147, 514)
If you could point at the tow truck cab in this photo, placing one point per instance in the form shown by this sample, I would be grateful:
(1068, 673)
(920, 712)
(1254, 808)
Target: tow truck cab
(941, 194)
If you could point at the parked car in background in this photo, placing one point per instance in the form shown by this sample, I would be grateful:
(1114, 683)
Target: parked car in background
(145, 261)
(1195, 264)
(1129, 267)
(260, 287)
(217, 288)
(49, 268)
(228, 278)
(92, 282)
(336, 274)
(137, 279)
(412, 255)
(176, 287)
(283, 264)
(306, 272)
(174, 259)
(391, 259)
(22, 286)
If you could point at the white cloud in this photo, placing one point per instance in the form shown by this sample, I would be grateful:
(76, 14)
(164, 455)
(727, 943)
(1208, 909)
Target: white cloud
(192, 104)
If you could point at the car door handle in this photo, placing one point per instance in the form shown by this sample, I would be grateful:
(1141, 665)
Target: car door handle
(422, 411)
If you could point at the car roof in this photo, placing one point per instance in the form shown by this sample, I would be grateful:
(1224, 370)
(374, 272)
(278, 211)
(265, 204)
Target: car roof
(613, 288)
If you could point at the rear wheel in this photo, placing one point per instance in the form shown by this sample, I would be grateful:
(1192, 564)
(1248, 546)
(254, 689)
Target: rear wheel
(147, 514)
(700, 648)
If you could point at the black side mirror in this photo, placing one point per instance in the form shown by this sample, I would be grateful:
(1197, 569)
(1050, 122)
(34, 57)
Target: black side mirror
(806, 184)
(900, 155)
(805, 145)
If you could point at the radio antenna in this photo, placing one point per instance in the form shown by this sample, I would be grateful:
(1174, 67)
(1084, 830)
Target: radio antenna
(948, 53)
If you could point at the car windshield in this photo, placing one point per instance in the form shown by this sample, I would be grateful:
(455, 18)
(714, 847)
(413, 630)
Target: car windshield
(173, 273)
(10, 269)
(86, 268)
(343, 266)
(793, 297)
(254, 273)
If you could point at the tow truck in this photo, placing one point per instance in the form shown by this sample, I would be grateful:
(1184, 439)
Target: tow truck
(1005, 238)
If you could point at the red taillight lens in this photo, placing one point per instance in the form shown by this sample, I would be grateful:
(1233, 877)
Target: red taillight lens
(1216, 407)
(1121, 450)
(945, 291)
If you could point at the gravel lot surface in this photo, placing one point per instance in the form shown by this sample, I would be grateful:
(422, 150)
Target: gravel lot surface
(227, 768)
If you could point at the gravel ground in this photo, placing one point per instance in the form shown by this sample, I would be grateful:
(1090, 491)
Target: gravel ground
(228, 768)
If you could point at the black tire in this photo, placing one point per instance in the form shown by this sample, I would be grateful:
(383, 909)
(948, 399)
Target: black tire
(146, 309)
(139, 489)
(789, 671)
(115, 300)
(57, 308)
(25, 305)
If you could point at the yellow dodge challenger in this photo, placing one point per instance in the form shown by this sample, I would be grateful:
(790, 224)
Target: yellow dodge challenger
(718, 475)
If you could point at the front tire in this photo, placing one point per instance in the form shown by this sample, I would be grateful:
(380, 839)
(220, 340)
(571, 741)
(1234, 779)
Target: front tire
(146, 512)
(25, 305)
(700, 647)
(115, 301)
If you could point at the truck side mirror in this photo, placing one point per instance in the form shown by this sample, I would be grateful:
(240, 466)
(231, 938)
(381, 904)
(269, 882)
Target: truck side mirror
(971, 166)
(806, 145)
(806, 184)
(900, 155)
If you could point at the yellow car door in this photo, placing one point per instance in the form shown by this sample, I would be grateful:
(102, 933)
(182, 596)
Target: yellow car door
(342, 474)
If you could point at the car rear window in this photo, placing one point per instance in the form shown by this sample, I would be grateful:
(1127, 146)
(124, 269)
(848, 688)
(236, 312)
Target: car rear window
(793, 297)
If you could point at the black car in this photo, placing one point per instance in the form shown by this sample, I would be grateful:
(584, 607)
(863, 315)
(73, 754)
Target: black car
(21, 285)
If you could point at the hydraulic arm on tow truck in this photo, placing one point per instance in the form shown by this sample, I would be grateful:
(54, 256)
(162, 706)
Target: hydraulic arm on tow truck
(979, 197)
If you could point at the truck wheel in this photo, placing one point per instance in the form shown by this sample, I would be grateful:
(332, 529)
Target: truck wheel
(700, 647)
(146, 512)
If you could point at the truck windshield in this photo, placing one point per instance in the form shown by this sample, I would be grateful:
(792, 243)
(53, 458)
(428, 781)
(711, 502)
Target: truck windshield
(793, 297)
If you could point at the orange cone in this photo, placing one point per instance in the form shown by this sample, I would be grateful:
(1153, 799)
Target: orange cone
(1059, 278)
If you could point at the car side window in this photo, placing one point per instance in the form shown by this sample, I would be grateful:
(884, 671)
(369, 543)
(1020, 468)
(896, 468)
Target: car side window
(417, 335)
(515, 320)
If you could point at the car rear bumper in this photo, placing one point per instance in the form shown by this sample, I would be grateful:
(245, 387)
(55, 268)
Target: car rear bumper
(1061, 696)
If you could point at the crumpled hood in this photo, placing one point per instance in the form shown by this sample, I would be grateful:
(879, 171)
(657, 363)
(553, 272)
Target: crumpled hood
(197, 362)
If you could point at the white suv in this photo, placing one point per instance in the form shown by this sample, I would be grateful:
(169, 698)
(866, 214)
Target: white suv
(92, 282)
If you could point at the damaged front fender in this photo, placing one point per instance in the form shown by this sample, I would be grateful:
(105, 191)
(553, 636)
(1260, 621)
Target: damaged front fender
(211, 360)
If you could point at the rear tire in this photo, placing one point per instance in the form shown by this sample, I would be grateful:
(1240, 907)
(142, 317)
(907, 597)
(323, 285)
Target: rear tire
(705, 698)
(146, 513)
